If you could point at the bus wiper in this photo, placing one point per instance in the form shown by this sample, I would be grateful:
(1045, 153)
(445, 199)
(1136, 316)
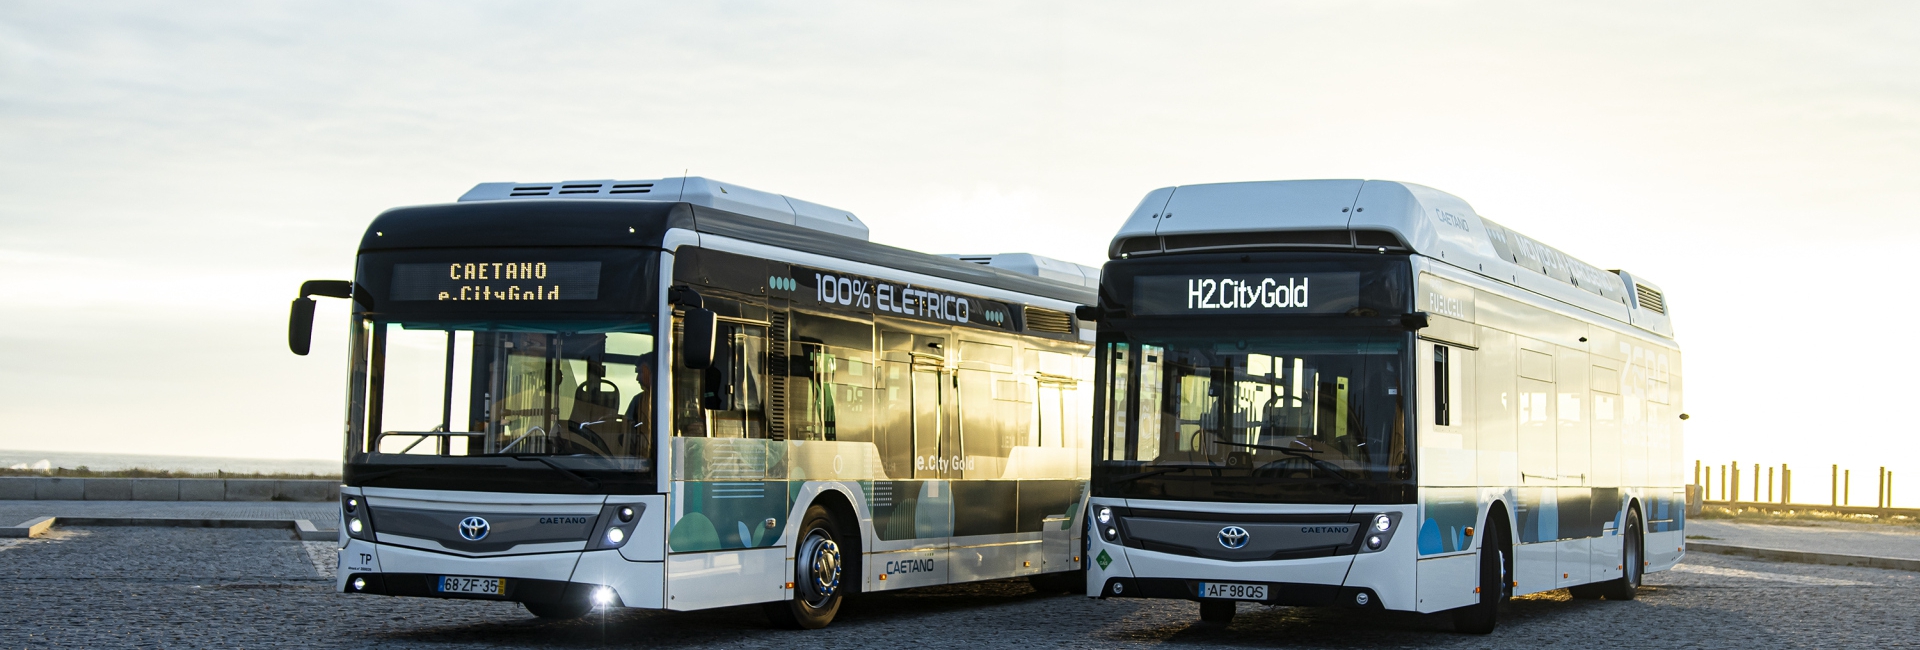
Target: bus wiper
(590, 481)
(1155, 472)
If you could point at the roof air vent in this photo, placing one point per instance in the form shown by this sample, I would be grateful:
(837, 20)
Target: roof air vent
(1650, 299)
(1047, 320)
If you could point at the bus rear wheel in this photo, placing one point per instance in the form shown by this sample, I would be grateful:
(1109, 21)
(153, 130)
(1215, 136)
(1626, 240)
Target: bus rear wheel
(819, 583)
(1633, 563)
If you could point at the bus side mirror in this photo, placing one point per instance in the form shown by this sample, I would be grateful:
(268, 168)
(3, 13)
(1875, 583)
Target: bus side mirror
(300, 321)
(716, 381)
(697, 333)
(300, 326)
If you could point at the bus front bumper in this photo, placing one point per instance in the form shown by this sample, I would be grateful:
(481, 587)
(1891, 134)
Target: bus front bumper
(601, 576)
(1377, 579)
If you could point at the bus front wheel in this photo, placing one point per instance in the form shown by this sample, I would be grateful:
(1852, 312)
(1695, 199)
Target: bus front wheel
(1482, 617)
(819, 583)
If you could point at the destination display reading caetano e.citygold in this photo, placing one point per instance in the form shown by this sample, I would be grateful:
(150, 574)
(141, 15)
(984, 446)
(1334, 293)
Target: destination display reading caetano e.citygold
(495, 281)
(1246, 293)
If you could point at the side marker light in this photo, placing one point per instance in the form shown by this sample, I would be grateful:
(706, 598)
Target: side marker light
(1469, 531)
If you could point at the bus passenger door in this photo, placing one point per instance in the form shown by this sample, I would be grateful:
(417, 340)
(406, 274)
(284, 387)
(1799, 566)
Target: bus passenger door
(912, 512)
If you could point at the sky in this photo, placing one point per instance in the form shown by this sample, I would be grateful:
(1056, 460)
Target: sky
(170, 172)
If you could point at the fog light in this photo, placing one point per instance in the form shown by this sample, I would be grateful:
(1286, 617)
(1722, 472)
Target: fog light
(1104, 516)
(626, 514)
(615, 536)
(1382, 523)
(1360, 598)
(1117, 587)
(602, 597)
(1373, 542)
(359, 584)
(354, 525)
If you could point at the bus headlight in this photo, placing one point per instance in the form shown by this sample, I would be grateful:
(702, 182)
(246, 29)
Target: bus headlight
(1380, 532)
(617, 524)
(354, 526)
(1104, 515)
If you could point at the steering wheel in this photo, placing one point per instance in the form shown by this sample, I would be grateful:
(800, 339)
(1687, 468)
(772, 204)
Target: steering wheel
(1288, 467)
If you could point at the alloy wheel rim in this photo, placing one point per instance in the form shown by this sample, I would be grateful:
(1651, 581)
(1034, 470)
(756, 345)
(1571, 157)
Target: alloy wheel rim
(820, 569)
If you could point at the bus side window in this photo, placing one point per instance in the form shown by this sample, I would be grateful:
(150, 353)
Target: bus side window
(1442, 390)
(728, 399)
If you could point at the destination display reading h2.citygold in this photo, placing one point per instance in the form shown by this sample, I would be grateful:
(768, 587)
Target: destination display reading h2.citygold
(1246, 293)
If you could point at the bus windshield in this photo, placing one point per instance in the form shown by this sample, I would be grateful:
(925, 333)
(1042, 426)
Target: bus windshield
(574, 390)
(1294, 417)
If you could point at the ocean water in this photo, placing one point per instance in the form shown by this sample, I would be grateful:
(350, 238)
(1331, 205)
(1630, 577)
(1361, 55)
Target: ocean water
(208, 464)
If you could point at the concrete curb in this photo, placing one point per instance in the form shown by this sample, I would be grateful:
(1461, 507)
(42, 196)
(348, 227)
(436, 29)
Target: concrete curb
(48, 488)
(1808, 557)
(304, 528)
(33, 528)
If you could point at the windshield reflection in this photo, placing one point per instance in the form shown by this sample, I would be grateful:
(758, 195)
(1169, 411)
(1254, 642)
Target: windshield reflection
(454, 392)
(1322, 409)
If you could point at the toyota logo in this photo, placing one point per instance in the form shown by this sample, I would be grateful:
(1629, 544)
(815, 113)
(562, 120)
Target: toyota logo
(474, 529)
(1233, 537)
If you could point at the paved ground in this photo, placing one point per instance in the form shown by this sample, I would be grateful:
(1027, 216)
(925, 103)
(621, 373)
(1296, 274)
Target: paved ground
(1878, 540)
(193, 587)
(323, 515)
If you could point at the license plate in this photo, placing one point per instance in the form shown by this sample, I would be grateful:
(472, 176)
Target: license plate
(1233, 591)
(468, 585)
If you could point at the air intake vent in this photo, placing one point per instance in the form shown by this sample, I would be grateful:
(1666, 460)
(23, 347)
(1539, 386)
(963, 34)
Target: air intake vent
(1047, 320)
(1136, 245)
(1281, 240)
(1339, 238)
(1650, 299)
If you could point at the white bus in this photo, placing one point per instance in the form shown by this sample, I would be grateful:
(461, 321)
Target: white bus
(1363, 394)
(683, 394)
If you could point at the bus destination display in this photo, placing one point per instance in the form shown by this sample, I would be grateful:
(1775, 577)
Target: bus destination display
(497, 281)
(1271, 293)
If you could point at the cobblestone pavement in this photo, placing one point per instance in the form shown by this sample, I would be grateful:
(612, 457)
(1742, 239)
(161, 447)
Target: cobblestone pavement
(194, 587)
(322, 514)
(1878, 540)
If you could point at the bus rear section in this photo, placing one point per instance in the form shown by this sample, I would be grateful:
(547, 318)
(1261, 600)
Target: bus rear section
(1362, 394)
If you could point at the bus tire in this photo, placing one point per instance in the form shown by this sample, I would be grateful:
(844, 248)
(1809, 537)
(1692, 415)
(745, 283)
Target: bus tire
(1633, 562)
(1218, 612)
(819, 578)
(1059, 583)
(1484, 616)
(565, 610)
